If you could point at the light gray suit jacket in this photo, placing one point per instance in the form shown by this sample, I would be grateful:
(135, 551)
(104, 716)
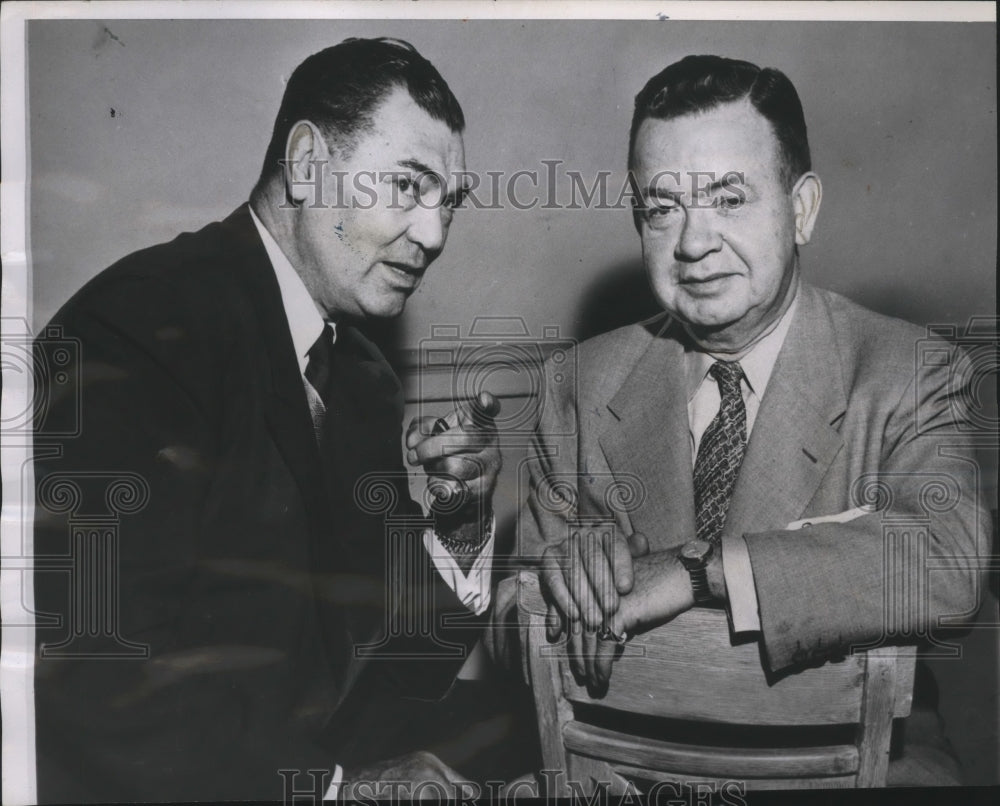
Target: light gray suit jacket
(860, 409)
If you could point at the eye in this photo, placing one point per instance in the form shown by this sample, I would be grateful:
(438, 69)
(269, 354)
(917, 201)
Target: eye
(659, 214)
(404, 189)
(406, 185)
(732, 199)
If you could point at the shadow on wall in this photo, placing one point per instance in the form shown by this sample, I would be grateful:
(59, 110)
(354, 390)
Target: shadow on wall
(887, 298)
(620, 297)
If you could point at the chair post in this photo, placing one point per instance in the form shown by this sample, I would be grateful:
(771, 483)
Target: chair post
(551, 706)
(877, 708)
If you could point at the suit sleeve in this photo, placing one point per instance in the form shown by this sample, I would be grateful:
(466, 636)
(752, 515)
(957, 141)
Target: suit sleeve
(425, 659)
(896, 574)
(552, 470)
(151, 700)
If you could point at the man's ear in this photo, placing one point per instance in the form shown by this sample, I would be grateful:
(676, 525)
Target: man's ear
(806, 195)
(306, 157)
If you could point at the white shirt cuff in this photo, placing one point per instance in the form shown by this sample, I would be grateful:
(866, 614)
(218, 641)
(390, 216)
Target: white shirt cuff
(472, 589)
(740, 587)
(334, 789)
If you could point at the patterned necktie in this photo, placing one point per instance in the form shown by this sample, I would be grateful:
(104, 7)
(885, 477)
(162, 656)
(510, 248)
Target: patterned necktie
(319, 376)
(720, 453)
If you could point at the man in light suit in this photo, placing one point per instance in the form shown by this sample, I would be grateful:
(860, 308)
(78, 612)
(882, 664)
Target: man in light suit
(243, 436)
(762, 429)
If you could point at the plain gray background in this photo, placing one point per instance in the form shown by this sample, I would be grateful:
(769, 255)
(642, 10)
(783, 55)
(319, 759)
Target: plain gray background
(142, 129)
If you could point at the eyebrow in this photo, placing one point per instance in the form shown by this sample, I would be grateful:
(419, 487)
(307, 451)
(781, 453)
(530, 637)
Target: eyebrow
(655, 192)
(728, 180)
(731, 178)
(416, 165)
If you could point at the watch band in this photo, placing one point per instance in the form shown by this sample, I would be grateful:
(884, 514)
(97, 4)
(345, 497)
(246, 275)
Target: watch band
(699, 584)
(694, 557)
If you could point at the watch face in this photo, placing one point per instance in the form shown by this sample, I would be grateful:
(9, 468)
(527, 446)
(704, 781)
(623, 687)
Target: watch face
(696, 550)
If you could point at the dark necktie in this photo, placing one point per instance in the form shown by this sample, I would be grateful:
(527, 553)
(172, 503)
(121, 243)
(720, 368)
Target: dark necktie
(319, 374)
(720, 453)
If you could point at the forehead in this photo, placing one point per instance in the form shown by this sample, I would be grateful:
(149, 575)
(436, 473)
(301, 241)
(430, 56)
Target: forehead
(402, 132)
(730, 137)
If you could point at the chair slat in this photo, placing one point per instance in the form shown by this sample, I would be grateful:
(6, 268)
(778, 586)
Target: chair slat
(733, 762)
(667, 784)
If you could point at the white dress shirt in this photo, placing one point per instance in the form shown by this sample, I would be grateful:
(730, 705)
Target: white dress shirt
(704, 400)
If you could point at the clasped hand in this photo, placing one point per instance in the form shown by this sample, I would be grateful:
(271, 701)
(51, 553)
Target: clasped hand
(596, 583)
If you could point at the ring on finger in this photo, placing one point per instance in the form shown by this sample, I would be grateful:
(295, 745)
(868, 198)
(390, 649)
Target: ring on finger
(607, 634)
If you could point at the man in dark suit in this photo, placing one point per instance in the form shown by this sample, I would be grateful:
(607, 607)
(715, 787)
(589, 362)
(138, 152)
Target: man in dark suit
(767, 430)
(230, 490)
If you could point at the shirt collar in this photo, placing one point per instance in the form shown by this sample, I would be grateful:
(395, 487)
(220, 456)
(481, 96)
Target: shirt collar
(757, 364)
(304, 320)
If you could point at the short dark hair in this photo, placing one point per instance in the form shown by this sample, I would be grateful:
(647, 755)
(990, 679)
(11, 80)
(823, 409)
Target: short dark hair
(700, 83)
(338, 89)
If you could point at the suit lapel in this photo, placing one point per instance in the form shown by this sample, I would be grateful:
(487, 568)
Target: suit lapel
(794, 439)
(285, 407)
(368, 408)
(649, 438)
(289, 422)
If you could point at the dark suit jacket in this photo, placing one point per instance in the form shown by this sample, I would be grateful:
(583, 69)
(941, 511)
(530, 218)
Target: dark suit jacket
(242, 559)
(853, 414)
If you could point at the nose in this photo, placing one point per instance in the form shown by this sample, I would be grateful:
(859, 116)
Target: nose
(428, 228)
(699, 235)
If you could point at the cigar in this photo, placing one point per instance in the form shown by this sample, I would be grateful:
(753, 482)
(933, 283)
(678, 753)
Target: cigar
(484, 407)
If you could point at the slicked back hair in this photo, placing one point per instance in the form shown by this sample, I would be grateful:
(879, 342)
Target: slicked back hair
(701, 83)
(339, 88)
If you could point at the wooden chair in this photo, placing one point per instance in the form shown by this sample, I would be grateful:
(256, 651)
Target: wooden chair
(689, 670)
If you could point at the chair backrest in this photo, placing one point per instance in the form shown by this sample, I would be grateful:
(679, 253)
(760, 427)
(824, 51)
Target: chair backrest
(686, 678)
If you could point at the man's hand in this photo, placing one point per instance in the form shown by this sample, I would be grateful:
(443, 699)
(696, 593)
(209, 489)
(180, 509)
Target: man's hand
(585, 576)
(460, 454)
(661, 590)
(413, 776)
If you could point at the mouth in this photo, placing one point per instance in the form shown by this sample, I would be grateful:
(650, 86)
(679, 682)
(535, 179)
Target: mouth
(407, 273)
(705, 285)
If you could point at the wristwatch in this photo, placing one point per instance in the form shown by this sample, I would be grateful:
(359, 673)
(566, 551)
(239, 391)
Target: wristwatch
(695, 556)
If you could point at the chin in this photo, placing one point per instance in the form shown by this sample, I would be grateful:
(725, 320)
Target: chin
(385, 309)
(713, 317)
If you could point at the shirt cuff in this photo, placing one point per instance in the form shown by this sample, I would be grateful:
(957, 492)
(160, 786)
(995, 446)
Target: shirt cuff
(740, 587)
(334, 789)
(472, 589)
